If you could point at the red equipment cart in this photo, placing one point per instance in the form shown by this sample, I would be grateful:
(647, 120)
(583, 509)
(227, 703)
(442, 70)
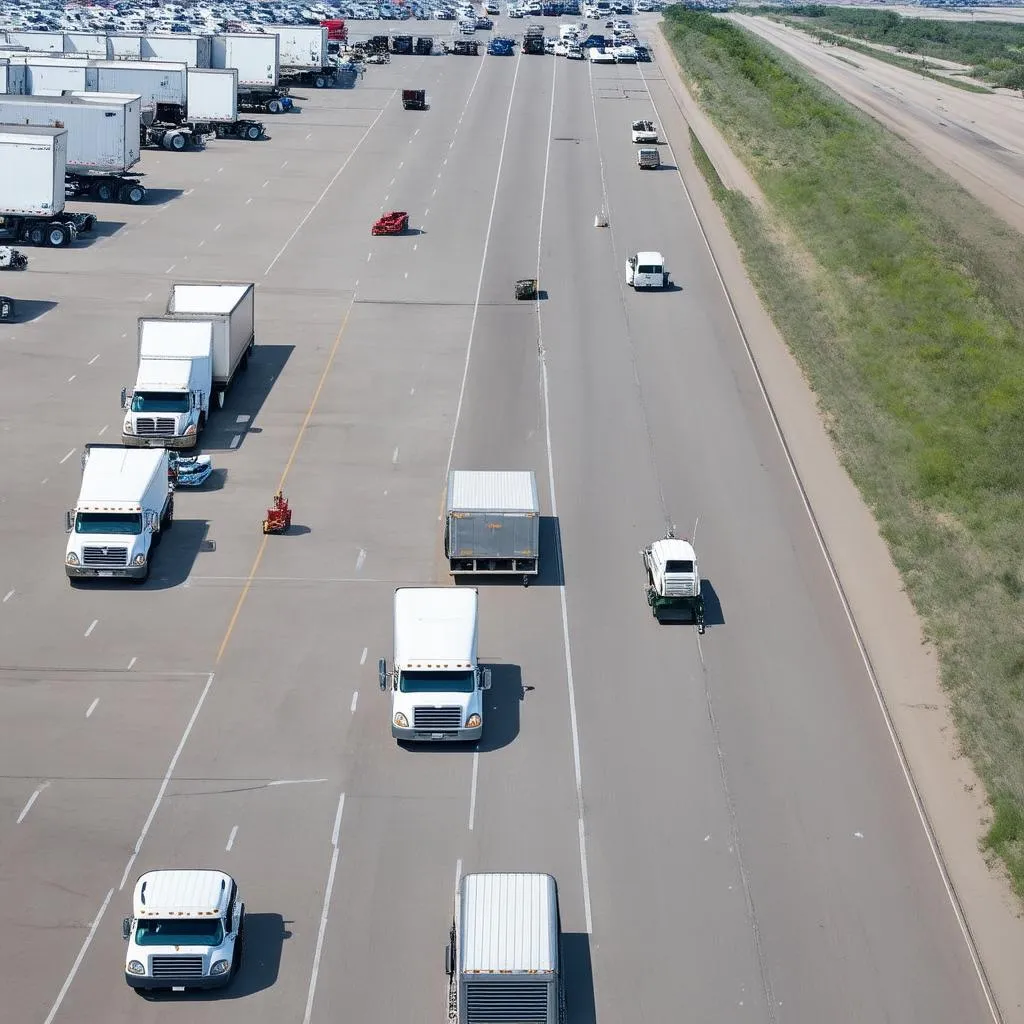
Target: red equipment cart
(393, 223)
(279, 516)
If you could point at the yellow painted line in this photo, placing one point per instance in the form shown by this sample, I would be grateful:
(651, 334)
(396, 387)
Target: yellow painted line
(284, 476)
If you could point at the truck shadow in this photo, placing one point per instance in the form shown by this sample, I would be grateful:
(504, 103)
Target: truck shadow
(176, 556)
(713, 615)
(502, 703)
(27, 310)
(245, 398)
(265, 936)
(578, 973)
(160, 196)
(103, 228)
(550, 572)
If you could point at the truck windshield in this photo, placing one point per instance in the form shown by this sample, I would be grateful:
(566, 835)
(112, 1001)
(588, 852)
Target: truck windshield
(679, 565)
(159, 401)
(127, 523)
(648, 270)
(180, 932)
(441, 682)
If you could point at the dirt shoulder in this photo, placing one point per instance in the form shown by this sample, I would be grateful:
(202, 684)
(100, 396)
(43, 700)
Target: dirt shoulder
(951, 797)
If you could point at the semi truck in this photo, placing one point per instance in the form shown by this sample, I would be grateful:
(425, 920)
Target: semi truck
(186, 930)
(435, 681)
(187, 359)
(492, 523)
(303, 55)
(256, 56)
(504, 957)
(33, 163)
(125, 503)
(103, 141)
(212, 105)
(533, 39)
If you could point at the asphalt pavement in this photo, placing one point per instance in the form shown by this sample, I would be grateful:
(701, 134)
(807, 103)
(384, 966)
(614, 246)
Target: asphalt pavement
(725, 815)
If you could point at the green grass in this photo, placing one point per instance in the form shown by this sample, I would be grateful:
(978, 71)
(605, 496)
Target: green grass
(993, 50)
(903, 299)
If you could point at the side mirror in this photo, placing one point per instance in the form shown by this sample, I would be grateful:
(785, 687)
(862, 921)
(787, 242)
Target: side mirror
(485, 677)
(126, 928)
(220, 399)
(69, 521)
(449, 964)
(124, 398)
(382, 674)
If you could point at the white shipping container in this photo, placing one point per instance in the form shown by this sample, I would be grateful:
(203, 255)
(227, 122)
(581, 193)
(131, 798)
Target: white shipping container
(50, 76)
(257, 58)
(125, 47)
(90, 44)
(32, 167)
(212, 95)
(40, 42)
(302, 46)
(191, 50)
(155, 81)
(101, 137)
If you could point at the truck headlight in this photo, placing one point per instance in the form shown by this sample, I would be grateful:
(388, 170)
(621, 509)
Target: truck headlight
(128, 428)
(473, 722)
(190, 430)
(220, 967)
(135, 967)
(401, 721)
(139, 560)
(72, 558)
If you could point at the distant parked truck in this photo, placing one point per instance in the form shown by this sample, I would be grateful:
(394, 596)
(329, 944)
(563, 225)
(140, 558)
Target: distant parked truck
(257, 58)
(436, 683)
(33, 163)
(533, 40)
(125, 503)
(303, 55)
(492, 523)
(504, 955)
(414, 99)
(103, 141)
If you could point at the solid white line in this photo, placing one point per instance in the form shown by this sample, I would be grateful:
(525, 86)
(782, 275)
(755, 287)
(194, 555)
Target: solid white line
(132, 662)
(369, 256)
(78, 959)
(231, 839)
(92, 708)
(567, 647)
(330, 184)
(8, 596)
(323, 915)
(102, 431)
(166, 780)
(72, 377)
(66, 457)
(426, 211)
(355, 701)
(95, 623)
(847, 610)
(472, 788)
(170, 268)
(362, 657)
(218, 227)
(149, 295)
(31, 800)
(483, 264)
(394, 454)
(93, 360)
(360, 558)
(235, 441)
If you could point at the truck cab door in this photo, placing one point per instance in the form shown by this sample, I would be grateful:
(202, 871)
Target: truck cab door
(69, 521)
(382, 674)
(124, 398)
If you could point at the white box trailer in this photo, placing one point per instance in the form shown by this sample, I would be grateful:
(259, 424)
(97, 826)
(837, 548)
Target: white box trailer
(40, 42)
(124, 46)
(504, 956)
(191, 50)
(89, 44)
(33, 162)
(159, 83)
(12, 78)
(231, 306)
(257, 58)
(213, 105)
(51, 76)
(303, 55)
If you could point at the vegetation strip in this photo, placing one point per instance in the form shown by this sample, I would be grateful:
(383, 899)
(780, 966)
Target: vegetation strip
(903, 299)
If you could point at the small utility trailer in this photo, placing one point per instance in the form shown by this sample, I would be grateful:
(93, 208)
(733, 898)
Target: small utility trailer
(393, 223)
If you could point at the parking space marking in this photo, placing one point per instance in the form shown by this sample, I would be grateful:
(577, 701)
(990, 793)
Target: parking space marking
(93, 625)
(92, 708)
(217, 228)
(45, 480)
(202, 242)
(31, 800)
(265, 184)
(66, 457)
(78, 959)
(362, 657)
(412, 391)
(93, 360)
(149, 295)
(170, 268)
(130, 664)
(242, 418)
(355, 700)
(394, 454)
(248, 201)
(235, 441)
(472, 788)
(415, 246)
(360, 559)
(231, 839)
(101, 431)
(7, 596)
(72, 377)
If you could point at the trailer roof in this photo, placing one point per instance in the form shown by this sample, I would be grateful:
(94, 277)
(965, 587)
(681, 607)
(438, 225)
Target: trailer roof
(509, 923)
(161, 337)
(493, 491)
(206, 298)
(435, 627)
(181, 894)
(116, 476)
(26, 132)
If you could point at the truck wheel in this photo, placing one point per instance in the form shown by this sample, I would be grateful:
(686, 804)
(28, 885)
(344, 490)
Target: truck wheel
(36, 235)
(320, 82)
(88, 222)
(133, 193)
(253, 133)
(177, 142)
(57, 236)
(169, 515)
(105, 192)
(274, 107)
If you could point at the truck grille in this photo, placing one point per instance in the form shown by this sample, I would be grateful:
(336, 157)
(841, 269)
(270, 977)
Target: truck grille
(436, 719)
(177, 966)
(680, 586)
(154, 426)
(105, 558)
(506, 1002)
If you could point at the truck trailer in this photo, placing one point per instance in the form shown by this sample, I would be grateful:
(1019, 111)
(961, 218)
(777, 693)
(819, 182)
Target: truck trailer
(33, 164)
(504, 952)
(492, 523)
(303, 55)
(125, 503)
(257, 59)
(212, 105)
(12, 78)
(103, 141)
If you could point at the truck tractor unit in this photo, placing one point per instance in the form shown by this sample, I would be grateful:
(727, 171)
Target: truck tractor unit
(436, 684)
(125, 503)
(504, 952)
(673, 581)
(187, 931)
(33, 165)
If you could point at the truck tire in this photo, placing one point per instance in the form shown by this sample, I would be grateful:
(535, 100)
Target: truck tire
(36, 235)
(253, 132)
(132, 192)
(320, 82)
(168, 520)
(104, 192)
(88, 223)
(57, 235)
(177, 141)
(274, 107)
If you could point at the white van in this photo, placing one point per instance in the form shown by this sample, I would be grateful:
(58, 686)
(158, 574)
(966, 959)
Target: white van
(646, 270)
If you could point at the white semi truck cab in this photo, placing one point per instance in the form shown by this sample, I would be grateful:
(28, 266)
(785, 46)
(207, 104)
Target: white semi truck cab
(646, 270)
(503, 958)
(436, 684)
(186, 930)
(125, 503)
(170, 402)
